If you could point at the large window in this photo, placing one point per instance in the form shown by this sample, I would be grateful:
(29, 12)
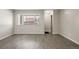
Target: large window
(29, 19)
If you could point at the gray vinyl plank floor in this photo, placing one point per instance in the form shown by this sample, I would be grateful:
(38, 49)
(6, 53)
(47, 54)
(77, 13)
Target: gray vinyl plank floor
(39, 41)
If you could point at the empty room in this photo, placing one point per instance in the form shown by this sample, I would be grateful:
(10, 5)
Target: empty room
(39, 29)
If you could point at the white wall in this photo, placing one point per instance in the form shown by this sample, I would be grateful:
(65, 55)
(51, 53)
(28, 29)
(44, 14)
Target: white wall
(45, 24)
(69, 24)
(47, 19)
(29, 29)
(56, 22)
(6, 18)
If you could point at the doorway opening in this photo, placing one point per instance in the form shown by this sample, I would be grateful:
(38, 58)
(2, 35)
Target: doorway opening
(48, 14)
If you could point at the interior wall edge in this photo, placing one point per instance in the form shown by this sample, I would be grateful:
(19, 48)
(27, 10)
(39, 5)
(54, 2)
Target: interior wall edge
(6, 23)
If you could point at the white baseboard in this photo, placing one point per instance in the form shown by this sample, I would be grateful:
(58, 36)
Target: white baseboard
(1, 38)
(69, 38)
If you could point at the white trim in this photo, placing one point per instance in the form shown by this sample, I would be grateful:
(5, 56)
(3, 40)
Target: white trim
(1, 38)
(69, 38)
